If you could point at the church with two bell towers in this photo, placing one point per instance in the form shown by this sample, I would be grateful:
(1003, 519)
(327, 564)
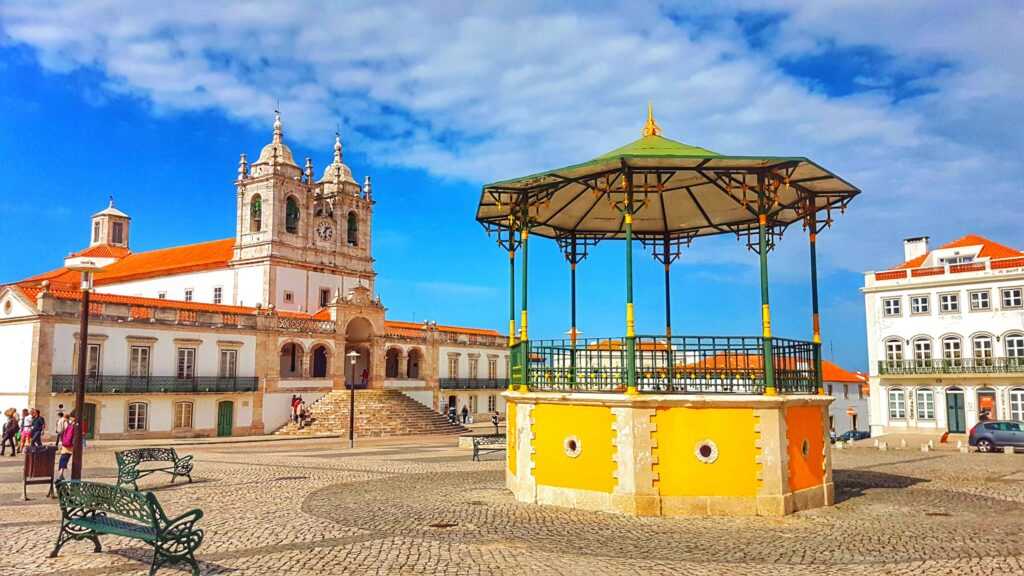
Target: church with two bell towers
(214, 338)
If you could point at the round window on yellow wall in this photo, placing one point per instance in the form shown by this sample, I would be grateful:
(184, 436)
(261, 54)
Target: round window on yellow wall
(572, 446)
(706, 451)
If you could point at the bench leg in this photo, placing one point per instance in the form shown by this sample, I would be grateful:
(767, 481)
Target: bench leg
(68, 533)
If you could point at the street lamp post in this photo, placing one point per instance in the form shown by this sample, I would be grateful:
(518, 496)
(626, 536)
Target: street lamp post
(353, 356)
(86, 267)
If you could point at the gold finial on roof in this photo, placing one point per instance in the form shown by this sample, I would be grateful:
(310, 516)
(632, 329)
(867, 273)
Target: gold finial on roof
(651, 127)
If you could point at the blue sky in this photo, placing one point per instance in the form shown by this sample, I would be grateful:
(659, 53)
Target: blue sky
(909, 101)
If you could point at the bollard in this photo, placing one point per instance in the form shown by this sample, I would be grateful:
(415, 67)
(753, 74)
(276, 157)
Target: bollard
(876, 442)
(903, 443)
(1007, 449)
(965, 450)
(883, 446)
(926, 447)
(931, 444)
(959, 444)
(839, 445)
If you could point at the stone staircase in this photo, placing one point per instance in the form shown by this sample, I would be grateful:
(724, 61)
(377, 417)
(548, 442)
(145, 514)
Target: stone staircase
(378, 413)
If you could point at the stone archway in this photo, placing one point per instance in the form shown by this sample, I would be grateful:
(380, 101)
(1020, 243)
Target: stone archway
(414, 364)
(291, 360)
(358, 338)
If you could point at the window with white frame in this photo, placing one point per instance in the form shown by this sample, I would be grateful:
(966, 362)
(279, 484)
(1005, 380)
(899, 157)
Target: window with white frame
(492, 368)
(894, 351)
(1015, 347)
(897, 404)
(981, 300)
(186, 363)
(218, 294)
(288, 296)
(949, 303)
(138, 365)
(919, 304)
(922, 351)
(161, 295)
(473, 404)
(117, 235)
(138, 416)
(182, 414)
(952, 350)
(228, 363)
(93, 360)
(325, 297)
(846, 391)
(453, 366)
(188, 294)
(891, 306)
(492, 403)
(474, 368)
(96, 231)
(1017, 404)
(1012, 298)
(925, 404)
(982, 348)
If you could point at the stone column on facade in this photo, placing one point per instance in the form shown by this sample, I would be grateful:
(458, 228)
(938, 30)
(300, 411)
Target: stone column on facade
(771, 428)
(523, 484)
(42, 365)
(403, 363)
(635, 492)
(376, 364)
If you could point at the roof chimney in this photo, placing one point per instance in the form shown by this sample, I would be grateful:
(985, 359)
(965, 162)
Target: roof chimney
(914, 247)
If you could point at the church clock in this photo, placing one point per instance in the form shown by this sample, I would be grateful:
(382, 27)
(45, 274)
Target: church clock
(324, 231)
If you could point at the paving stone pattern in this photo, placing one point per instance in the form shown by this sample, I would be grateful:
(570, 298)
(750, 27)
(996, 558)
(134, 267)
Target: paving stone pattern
(422, 507)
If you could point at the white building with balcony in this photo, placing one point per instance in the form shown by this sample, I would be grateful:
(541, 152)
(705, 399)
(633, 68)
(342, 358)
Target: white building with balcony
(946, 337)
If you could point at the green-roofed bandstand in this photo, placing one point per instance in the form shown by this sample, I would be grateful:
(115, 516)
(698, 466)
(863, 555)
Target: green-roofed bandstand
(664, 194)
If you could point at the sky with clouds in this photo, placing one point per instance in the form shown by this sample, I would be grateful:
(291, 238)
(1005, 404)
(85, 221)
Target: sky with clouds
(916, 102)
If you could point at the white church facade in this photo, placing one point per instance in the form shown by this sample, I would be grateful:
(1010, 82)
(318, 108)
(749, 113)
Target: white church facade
(214, 338)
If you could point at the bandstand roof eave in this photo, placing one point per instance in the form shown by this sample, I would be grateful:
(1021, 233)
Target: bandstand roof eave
(808, 177)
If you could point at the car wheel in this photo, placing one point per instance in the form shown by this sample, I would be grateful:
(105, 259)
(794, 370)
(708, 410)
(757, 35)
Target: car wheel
(985, 445)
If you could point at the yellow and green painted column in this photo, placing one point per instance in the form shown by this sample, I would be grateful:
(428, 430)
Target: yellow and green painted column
(815, 319)
(766, 315)
(630, 319)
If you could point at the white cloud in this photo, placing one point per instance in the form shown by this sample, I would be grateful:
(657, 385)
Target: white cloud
(483, 92)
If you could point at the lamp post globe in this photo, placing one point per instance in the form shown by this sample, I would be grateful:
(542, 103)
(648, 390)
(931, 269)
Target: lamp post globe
(86, 267)
(353, 357)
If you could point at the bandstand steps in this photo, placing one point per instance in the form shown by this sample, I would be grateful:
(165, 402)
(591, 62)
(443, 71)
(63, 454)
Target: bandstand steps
(379, 413)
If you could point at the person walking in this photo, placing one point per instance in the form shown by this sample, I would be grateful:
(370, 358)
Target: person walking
(465, 414)
(364, 378)
(26, 429)
(66, 444)
(295, 408)
(494, 421)
(62, 421)
(10, 430)
(38, 427)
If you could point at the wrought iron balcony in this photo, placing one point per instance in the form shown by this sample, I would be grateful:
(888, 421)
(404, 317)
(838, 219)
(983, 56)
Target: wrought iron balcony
(673, 365)
(104, 384)
(473, 383)
(1000, 365)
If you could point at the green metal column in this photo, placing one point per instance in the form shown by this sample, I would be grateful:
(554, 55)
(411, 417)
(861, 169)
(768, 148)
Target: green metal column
(815, 321)
(670, 368)
(572, 327)
(630, 322)
(511, 301)
(766, 315)
(524, 341)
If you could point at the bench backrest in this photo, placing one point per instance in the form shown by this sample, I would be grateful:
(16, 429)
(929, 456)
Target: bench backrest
(135, 456)
(77, 496)
(489, 439)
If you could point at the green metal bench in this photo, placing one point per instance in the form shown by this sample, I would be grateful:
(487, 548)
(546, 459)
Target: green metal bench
(128, 461)
(89, 509)
(487, 443)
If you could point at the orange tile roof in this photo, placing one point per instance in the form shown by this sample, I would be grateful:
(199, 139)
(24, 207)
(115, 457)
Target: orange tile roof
(830, 372)
(833, 373)
(989, 249)
(61, 293)
(105, 251)
(400, 327)
(153, 263)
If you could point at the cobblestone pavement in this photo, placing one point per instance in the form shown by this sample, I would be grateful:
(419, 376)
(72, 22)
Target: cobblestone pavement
(422, 507)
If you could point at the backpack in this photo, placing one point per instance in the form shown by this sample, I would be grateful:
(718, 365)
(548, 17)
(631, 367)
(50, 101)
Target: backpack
(67, 437)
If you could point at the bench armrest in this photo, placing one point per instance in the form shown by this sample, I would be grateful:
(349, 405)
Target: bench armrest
(183, 464)
(183, 523)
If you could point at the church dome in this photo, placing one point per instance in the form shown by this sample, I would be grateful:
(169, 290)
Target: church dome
(337, 172)
(277, 152)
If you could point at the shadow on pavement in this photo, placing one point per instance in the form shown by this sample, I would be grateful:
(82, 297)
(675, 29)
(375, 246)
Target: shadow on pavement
(852, 484)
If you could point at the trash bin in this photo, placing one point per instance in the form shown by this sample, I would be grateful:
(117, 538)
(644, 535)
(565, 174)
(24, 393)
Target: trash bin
(39, 468)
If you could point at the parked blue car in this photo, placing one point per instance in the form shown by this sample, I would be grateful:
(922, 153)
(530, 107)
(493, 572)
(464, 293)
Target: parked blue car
(851, 435)
(996, 434)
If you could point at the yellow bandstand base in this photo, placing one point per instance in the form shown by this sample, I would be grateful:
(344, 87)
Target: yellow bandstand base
(670, 455)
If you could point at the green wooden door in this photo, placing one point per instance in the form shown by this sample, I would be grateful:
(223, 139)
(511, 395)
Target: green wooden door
(225, 417)
(89, 420)
(955, 418)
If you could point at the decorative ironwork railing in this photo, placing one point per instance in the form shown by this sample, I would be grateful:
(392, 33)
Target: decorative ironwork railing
(994, 365)
(305, 325)
(675, 365)
(104, 384)
(472, 383)
(980, 266)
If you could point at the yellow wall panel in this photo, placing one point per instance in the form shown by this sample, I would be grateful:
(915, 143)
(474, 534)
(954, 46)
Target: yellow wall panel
(679, 431)
(593, 468)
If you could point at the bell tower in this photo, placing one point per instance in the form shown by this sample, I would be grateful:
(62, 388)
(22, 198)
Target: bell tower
(109, 227)
(304, 237)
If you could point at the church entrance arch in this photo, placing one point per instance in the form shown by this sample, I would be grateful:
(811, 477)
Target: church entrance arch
(358, 336)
